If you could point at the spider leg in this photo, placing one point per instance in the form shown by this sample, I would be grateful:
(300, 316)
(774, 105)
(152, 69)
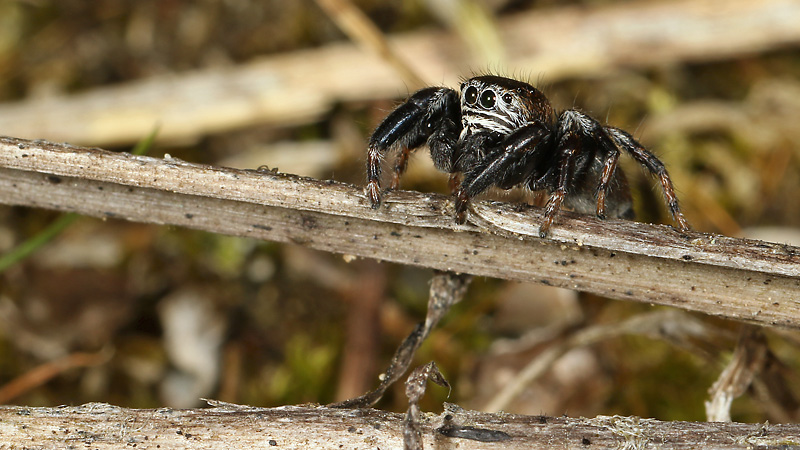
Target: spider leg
(454, 182)
(598, 164)
(400, 166)
(442, 144)
(609, 169)
(511, 161)
(409, 127)
(624, 140)
(568, 148)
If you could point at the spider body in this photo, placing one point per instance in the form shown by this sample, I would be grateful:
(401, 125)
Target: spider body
(503, 132)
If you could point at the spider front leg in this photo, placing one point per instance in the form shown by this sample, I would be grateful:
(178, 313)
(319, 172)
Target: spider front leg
(409, 126)
(510, 162)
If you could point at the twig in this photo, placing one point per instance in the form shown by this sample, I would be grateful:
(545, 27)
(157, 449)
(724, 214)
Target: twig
(102, 426)
(446, 290)
(670, 325)
(363, 31)
(747, 361)
(45, 372)
(36, 242)
(303, 86)
(415, 389)
(741, 279)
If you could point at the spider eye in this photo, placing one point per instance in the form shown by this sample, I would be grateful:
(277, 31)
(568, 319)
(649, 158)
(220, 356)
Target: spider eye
(508, 98)
(488, 98)
(471, 95)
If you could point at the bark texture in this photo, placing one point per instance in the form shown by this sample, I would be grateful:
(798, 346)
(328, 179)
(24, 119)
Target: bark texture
(747, 280)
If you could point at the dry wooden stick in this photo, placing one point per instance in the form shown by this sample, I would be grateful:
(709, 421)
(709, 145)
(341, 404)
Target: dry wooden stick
(44, 372)
(747, 280)
(747, 361)
(102, 426)
(303, 85)
(364, 32)
(446, 290)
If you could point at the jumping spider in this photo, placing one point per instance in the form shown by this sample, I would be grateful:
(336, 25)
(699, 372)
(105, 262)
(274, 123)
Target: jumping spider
(503, 132)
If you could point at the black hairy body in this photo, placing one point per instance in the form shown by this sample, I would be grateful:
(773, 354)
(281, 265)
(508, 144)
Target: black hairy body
(503, 132)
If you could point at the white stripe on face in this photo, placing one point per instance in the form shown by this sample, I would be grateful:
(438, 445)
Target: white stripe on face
(478, 121)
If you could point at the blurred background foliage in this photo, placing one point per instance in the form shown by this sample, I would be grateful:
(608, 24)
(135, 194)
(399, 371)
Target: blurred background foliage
(146, 316)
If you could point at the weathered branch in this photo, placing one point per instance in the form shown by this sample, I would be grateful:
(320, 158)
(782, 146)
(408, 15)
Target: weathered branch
(740, 279)
(303, 85)
(101, 426)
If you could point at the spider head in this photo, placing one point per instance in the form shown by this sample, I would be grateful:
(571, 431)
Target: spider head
(501, 105)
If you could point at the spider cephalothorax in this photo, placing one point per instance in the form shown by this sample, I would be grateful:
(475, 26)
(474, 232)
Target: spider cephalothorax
(503, 132)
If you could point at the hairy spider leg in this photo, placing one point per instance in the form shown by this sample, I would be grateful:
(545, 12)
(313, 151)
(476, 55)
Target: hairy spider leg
(441, 142)
(615, 199)
(609, 177)
(400, 166)
(454, 182)
(516, 154)
(624, 140)
(609, 169)
(568, 147)
(409, 127)
(394, 130)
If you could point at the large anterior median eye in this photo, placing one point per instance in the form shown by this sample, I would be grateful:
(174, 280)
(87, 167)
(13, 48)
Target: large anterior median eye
(471, 95)
(488, 98)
